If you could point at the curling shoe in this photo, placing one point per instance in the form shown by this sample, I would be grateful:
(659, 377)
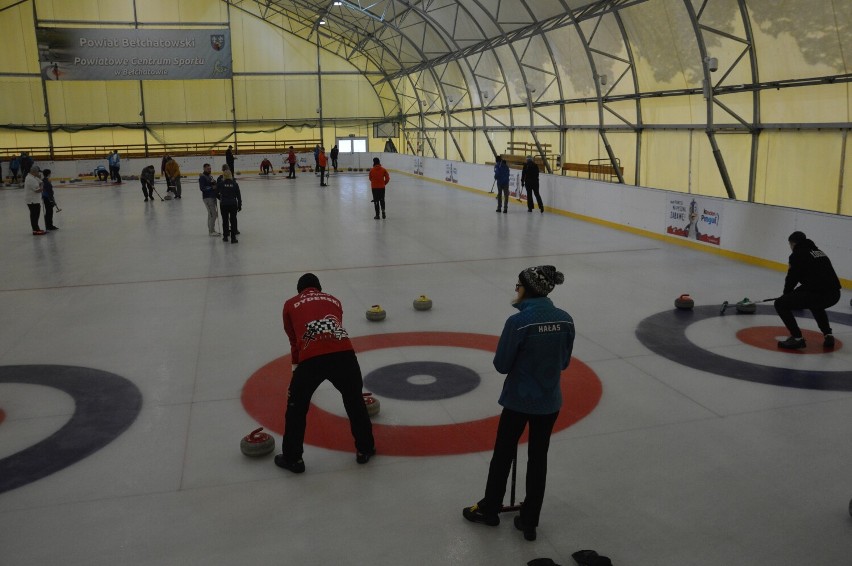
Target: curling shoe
(828, 342)
(475, 515)
(295, 466)
(792, 343)
(529, 532)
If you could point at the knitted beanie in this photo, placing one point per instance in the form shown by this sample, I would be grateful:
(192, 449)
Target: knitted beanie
(539, 281)
(308, 280)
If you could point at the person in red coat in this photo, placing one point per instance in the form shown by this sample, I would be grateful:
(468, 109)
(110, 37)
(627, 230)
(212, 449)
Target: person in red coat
(322, 165)
(320, 349)
(379, 179)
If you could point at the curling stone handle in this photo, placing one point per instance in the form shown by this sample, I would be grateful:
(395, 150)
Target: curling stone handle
(257, 435)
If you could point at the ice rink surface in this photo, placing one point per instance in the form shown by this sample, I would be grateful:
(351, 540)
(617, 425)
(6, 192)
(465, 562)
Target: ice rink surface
(128, 336)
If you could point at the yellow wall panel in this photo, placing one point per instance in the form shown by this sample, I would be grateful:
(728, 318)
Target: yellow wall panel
(359, 100)
(22, 140)
(261, 97)
(19, 54)
(845, 191)
(581, 146)
(181, 11)
(182, 101)
(94, 10)
(665, 160)
(801, 170)
(809, 104)
(94, 102)
(23, 102)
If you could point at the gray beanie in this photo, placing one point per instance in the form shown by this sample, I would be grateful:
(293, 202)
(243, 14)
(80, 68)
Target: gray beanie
(308, 280)
(539, 281)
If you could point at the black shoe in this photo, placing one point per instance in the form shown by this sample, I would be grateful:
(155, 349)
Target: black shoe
(475, 515)
(828, 341)
(57, 228)
(225, 238)
(297, 466)
(529, 210)
(383, 214)
(529, 532)
(376, 217)
(237, 232)
(364, 457)
(505, 211)
(498, 210)
(146, 200)
(792, 343)
(234, 240)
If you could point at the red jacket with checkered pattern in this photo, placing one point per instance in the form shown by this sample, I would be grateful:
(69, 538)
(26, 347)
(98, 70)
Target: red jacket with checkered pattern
(313, 321)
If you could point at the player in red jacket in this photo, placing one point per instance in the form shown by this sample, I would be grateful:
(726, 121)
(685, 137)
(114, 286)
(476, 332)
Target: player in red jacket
(320, 349)
(379, 178)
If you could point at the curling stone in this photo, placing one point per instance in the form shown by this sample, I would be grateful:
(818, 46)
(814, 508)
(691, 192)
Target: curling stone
(684, 302)
(258, 443)
(422, 303)
(746, 306)
(372, 404)
(376, 313)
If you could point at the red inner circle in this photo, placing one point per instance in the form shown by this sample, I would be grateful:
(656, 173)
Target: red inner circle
(264, 398)
(767, 337)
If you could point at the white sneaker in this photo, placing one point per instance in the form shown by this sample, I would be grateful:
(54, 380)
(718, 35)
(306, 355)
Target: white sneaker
(215, 234)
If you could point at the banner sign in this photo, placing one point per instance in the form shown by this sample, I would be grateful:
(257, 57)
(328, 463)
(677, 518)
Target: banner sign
(695, 219)
(100, 54)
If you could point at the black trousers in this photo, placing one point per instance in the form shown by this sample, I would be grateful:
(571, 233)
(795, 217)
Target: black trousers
(35, 212)
(344, 373)
(148, 189)
(292, 173)
(801, 299)
(322, 174)
(532, 189)
(229, 219)
(379, 200)
(48, 212)
(512, 424)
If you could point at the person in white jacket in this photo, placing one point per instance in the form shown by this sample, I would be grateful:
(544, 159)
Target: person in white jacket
(32, 194)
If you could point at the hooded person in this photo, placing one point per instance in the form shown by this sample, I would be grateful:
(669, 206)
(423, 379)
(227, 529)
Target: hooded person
(534, 349)
(811, 283)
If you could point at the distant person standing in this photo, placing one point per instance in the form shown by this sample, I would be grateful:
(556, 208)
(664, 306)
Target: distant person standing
(231, 201)
(26, 164)
(173, 176)
(812, 284)
(501, 175)
(379, 178)
(147, 180)
(32, 194)
(291, 161)
(334, 153)
(322, 164)
(47, 198)
(529, 178)
(207, 185)
(114, 167)
(14, 167)
(229, 159)
(316, 157)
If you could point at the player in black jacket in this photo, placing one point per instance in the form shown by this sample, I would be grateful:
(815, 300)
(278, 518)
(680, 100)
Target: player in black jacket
(818, 289)
(231, 202)
(529, 179)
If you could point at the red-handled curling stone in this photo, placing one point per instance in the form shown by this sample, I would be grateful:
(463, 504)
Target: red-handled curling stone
(258, 443)
(372, 404)
(684, 302)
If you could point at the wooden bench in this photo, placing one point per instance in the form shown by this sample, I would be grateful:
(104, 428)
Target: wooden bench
(601, 171)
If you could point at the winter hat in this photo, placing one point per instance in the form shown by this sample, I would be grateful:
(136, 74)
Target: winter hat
(539, 281)
(529, 158)
(308, 280)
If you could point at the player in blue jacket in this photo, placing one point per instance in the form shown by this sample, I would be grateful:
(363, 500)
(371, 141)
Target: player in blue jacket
(534, 348)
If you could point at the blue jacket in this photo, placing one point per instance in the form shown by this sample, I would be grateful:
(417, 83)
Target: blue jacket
(207, 185)
(533, 350)
(47, 190)
(501, 173)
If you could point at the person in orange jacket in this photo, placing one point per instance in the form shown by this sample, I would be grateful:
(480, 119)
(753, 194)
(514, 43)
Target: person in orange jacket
(379, 178)
(322, 161)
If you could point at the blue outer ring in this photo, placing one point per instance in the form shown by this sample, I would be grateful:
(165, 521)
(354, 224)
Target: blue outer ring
(105, 405)
(665, 334)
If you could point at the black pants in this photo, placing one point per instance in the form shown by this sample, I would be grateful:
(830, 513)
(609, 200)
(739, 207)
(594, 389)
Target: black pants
(322, 175)
(35, 212)
(230, 166)
(148, 190)
(48, 212)
(512, 424)
(379, 200)
(266, 170)
(532, 189)
(801, 299)
(229, 220)
(292, 173)
(344, 373)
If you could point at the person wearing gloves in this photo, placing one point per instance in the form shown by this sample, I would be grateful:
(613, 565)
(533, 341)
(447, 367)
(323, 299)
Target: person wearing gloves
(818, 289)
(534, 349)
